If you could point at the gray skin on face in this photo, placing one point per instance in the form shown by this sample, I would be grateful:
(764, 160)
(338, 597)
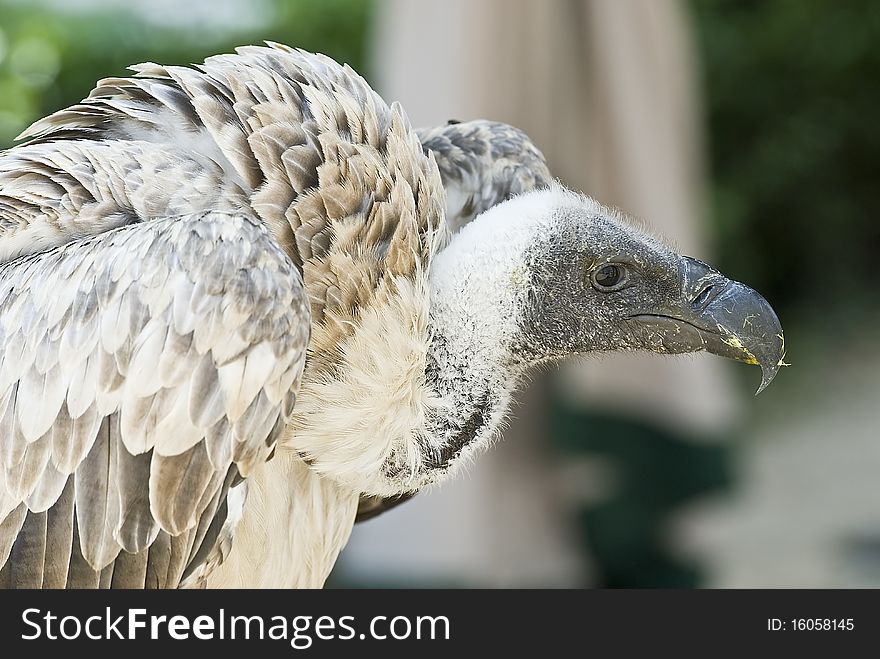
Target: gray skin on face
(598, 285)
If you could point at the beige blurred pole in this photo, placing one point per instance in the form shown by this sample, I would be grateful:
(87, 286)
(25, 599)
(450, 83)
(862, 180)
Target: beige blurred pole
(607, 90)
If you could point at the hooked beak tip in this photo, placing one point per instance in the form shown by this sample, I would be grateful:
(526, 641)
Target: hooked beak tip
(770, 366)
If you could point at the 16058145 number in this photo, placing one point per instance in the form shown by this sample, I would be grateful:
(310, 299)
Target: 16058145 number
(821, 624)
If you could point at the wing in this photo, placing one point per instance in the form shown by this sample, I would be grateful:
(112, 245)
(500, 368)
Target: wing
(144, 372)
(55, 192)
(483, 163)
(373, 506)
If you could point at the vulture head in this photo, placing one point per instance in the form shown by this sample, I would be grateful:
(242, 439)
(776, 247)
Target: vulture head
(595, 283)
(550, 274)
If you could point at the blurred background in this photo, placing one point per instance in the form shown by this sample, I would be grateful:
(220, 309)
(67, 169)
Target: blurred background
(745, 132)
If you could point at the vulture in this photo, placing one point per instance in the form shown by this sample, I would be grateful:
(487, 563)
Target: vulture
(244, 303)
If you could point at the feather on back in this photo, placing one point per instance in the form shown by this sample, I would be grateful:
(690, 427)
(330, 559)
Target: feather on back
(339, 177)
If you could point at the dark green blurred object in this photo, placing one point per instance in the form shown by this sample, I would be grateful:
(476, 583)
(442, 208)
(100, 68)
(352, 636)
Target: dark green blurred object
(792, 97)
(658, 472)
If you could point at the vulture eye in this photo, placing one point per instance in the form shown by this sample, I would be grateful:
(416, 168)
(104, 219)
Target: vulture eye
(608, 277)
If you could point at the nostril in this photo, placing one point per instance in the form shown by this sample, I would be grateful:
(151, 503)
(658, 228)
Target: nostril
(703, 296)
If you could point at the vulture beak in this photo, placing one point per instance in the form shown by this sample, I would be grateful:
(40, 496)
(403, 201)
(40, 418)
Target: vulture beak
(723, 317)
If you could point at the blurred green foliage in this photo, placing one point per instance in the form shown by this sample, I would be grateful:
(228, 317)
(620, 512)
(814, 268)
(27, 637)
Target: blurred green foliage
(792, 90)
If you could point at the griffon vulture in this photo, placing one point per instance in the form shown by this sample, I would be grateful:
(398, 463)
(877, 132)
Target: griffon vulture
(239, 299)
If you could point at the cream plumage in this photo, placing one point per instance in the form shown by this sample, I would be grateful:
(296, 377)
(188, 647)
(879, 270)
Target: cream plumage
(231, 310)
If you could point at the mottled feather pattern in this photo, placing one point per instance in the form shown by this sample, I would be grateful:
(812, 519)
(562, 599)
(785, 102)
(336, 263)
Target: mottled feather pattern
(145, 446)
(483, 163)
(337, 175)
(54, 192)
